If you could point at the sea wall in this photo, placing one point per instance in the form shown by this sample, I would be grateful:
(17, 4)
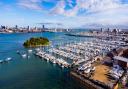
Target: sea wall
(88, 83)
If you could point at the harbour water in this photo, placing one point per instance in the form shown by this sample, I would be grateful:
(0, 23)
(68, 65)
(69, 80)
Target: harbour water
(33, 73)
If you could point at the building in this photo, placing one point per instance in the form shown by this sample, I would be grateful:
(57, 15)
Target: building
(3, 27)
(121, 61)
(28, 28)
(43, 27)
(122, 58)
(16, 27)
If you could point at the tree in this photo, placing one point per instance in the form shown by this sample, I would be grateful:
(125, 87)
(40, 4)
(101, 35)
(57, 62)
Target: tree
(37, 41)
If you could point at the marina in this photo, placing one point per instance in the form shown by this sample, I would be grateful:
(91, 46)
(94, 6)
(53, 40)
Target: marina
(64, 44)
(86, 55)
(82, 56)
(33, 72)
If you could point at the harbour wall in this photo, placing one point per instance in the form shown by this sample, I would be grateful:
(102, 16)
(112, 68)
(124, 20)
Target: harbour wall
(89, 84)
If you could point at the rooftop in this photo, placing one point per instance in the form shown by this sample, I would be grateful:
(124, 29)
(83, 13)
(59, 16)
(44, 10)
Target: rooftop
(121, 58)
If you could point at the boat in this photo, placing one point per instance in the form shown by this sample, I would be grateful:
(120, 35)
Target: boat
(24, 55)
(54, 61)
(62, 66)
(30, 51)
(47, 59)
(8, 59)
(18, 52)
(1, 61)
(37, 49)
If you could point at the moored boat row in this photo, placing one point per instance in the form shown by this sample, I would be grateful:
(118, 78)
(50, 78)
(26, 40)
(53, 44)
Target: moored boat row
(53, 59)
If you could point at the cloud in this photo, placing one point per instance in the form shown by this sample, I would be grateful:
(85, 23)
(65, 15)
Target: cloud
(87, 6)
(34, 4)
(74, 13)
(70, 3)
(59, 8)
(97, 5)
(87, 12)
(31, 4)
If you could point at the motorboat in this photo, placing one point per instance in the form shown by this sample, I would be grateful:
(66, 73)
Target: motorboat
(24, 55)
(62, 66)
(37, 49)
(8, 59)
(54, 61)
(29, 51)
(18, 52)
(1, 61)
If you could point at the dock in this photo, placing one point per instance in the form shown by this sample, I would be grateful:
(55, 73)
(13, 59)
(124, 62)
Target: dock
(53, 59)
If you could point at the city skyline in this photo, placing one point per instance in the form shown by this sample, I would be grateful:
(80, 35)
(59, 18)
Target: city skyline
(70, 13)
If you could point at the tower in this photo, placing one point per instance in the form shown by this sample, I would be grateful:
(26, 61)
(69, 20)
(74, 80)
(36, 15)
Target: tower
(16, 27)
(101, 29)
(43, 26)
(28, 27)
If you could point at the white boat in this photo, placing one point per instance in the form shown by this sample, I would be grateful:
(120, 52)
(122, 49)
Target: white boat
(62, 66)
(24, 55)
(1, 61)
(48, 60)
(37, 49)
(18, 52)
(30, 51)
(54, 61)
(8, 59)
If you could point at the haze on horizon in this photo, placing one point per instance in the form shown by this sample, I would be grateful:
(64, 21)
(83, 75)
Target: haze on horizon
(70, 13)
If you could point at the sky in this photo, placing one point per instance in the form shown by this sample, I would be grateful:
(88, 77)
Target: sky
(65, 13)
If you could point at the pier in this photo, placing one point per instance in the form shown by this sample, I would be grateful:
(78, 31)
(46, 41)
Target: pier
(53, 59)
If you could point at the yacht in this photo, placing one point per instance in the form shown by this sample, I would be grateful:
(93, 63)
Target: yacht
(24, 55)
(62, 66)
(18, 52)
(37, 49)
(54, 61)
(30, 51)
(8, 59)
(1, 61)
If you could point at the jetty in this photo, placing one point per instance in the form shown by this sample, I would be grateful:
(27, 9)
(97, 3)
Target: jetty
(53, 59)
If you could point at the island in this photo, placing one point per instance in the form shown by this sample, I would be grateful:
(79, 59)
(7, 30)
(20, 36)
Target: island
(36, 41)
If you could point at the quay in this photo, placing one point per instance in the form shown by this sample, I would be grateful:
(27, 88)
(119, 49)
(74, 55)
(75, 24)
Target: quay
(88, 83)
